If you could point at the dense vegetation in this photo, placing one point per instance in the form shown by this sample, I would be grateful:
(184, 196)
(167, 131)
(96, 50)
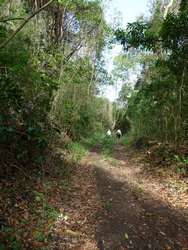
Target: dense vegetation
(157, 106)
(50, 74)
(52, 70)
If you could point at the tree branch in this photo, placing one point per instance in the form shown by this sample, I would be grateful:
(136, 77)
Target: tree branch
(24, 23)
(167, 8)
(78, 47)
(11, 19)
(67, 58)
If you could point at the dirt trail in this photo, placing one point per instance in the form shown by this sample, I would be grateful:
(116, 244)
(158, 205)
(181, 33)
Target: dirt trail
(106, 203)
(135, 215)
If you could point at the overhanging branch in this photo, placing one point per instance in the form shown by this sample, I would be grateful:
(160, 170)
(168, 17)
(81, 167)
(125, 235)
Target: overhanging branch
(4, 44)
(11, 19)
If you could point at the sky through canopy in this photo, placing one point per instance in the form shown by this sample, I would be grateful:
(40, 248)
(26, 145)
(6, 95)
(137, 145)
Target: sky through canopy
(123, 12)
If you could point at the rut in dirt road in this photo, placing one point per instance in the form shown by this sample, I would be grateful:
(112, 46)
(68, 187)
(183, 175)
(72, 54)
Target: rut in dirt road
(133, 218)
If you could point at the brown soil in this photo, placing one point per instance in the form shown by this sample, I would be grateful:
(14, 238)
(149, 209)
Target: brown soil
(109, 203)
(138, 213)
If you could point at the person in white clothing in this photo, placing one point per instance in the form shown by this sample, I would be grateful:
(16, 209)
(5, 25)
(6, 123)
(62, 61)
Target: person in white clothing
(118, 133)
(109, 133)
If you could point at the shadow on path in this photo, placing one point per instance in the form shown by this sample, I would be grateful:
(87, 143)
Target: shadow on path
(133, 219)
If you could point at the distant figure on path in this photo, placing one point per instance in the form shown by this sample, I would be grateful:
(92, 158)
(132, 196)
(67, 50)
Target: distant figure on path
(118, 133)
(109, 133)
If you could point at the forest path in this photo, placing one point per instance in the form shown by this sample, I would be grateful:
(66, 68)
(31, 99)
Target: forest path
(137, 212)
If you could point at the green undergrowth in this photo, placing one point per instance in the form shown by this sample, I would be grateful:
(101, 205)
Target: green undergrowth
(9, 236)
(33, 201)
(31, 228)
(105, 143)
(126, 140)
(77, 151)
(181, 165)
(34, 205)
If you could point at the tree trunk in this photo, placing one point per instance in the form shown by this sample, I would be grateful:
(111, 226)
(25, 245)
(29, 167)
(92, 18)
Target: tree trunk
(5, 43)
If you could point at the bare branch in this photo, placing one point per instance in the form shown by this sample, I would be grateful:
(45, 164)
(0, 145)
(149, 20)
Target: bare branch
(24, 23)
(78, 47)
(167, 8)
(11, 19)
(72, 52)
